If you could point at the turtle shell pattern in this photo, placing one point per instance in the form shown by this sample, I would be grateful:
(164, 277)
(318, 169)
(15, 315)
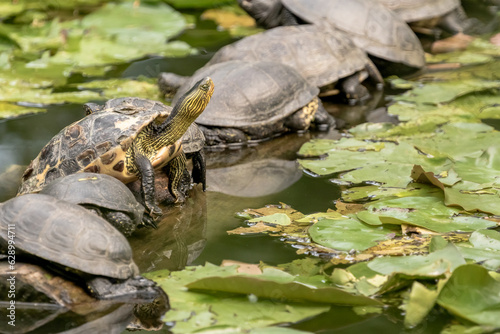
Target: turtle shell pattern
(67, 234)
(251, 93)
(416, 10)
(322, 56)
(100, 190)
(370, 25)
(192, 141)
(97, 143)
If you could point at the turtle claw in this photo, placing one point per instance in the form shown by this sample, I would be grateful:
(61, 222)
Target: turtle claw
(148, 221)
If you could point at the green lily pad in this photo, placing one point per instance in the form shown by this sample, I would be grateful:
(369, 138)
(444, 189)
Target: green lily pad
(277, 219)
(8, 110)
(276, 284)
(472, 294)
(435, 264)
(194, 311)
(198, 3)
(442, 92)
(419, 304)
(428, 212)
(348, 234)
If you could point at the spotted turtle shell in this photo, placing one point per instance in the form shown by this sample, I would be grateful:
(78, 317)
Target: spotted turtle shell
(370, 25)
(96, 144)
(66, 234)
(251, 93)
(100, 190)
(416, 10)
(321, 56)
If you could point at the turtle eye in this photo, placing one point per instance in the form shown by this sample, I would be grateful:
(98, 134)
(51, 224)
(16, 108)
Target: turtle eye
(204, 86)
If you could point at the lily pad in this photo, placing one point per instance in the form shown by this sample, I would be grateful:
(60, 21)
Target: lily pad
(194, 311)
(472, 294)
(348, 234)
(276, 284)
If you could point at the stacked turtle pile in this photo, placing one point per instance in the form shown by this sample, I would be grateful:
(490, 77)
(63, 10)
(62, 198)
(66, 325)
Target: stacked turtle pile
(269, 83)
(65, 231)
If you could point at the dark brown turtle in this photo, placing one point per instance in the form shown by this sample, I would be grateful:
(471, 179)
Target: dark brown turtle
(424, 14)
(255, 101)
(370, 25)
(69, 239)
(322, 56)
(127, 145)
(105, 196)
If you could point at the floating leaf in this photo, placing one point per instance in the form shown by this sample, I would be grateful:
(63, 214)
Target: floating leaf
(196, 311)
(276, 284)
(472, 294)
(277, 219)
(348, 234)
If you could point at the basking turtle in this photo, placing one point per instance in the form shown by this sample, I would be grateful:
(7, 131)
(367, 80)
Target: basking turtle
(127, 145)
(445, 14)
(69, 239)
(255, 101)
(321, 56)
(193, 139)
(105, 196)
(370, 25)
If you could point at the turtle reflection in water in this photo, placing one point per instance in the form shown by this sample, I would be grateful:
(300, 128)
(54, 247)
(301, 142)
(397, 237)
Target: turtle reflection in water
(125, 146)
(103, 195)
(73, 242)
(254, 179)
(390, 42)
(255, 101)
(322, 56)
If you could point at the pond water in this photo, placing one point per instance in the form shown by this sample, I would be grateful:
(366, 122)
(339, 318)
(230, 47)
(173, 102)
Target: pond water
(252, 177)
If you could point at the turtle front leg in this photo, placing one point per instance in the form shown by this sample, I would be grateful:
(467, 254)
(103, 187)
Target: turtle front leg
(176, 171)
(199, 169)
(147, 176)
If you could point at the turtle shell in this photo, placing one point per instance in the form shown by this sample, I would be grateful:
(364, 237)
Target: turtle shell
(416, 10)
(192, 141)
(322, 56)
(370, 25)
(97, 143)
(66, 234)
(100, 190)
(251, 93)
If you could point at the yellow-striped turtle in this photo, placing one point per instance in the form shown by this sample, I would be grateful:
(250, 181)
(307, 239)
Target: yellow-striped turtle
(192, 140)
(128, 145)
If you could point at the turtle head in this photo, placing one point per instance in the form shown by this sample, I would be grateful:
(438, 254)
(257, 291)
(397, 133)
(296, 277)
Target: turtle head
(196, 99)
(91, 108)
(267, 13)
(185, 111)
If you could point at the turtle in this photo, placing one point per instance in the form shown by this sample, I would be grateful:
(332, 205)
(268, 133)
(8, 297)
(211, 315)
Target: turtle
(445, 14)
(256, 101)
(321, 56)
(73, 242)
(369, 24)
(193, 139)
(104, 195)
(127, 145)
